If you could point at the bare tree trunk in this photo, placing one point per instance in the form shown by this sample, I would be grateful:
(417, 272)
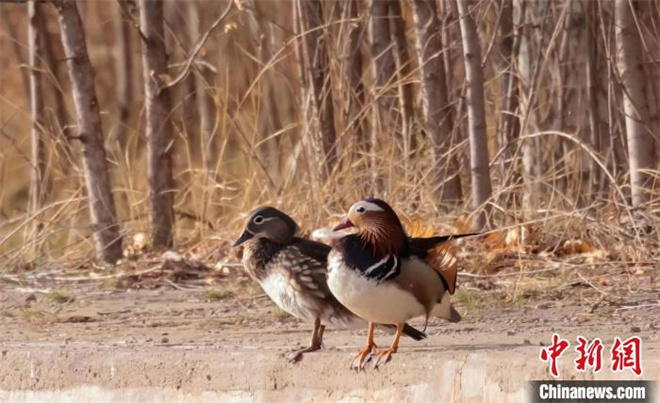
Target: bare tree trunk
(474, 75)
(573, 165)
(101, 203)
(381, 52)
(123, 74)
(9, 25)
(353, 72)
(403, 70)
(316, 64)
(63, 120)
(38, 152)
(592, 94)
(649, 28)
(641, 146)
(271, 121)
(158, 124)
(528, 72)
(383, 71)
(437, 112)
(384, 68)
(305, 104)
(615, 138)
(202, 97)
(509, 126)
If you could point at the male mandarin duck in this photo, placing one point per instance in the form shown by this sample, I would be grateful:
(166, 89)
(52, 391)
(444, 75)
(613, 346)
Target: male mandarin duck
(292, 271)
(384, 276)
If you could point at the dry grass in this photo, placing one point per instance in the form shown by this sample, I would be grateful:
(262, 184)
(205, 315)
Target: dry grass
(260, 149)
(60, 296)
(214, 294)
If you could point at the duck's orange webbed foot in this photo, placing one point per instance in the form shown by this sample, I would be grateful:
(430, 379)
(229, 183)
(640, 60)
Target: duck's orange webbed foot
(365, 354)
(384, 356)
(362, 358)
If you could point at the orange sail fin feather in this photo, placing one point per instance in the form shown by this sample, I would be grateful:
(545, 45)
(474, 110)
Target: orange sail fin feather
(442, 258)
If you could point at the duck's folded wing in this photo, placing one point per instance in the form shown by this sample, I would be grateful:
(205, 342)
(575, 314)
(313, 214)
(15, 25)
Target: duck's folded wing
(315, 250)
(436, 252)
(420, 246)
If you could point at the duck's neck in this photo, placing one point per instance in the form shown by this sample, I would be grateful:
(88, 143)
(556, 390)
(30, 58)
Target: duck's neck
(257, 254)
(384, 240)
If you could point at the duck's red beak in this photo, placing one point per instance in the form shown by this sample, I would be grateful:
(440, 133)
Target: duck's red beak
(343, 225)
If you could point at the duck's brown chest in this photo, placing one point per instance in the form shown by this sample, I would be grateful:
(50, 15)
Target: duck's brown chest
(257, 254)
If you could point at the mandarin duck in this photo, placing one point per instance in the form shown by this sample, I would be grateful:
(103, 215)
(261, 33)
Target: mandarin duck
(384, 276)
(292, 271)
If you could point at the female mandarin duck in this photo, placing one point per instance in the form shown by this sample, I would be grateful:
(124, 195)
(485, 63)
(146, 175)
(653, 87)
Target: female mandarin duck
(384, 276)
(292, 271)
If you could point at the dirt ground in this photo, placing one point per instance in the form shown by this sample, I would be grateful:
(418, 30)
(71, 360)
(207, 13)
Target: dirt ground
(233, 316)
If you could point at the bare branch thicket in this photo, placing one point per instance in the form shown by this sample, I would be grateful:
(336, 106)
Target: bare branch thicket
(185, 70)
(641, 145)
(107, 239)
(474, 75)
(317, 69)
(437, 113)
(158, 128)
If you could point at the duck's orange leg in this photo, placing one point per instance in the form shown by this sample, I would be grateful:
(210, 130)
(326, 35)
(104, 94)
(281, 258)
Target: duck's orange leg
(365, 352)
(386, 355)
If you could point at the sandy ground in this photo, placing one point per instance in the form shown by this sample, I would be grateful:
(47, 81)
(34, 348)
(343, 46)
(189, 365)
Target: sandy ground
(213, 333)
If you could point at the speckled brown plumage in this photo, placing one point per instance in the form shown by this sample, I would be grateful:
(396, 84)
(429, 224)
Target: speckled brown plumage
(302, 265)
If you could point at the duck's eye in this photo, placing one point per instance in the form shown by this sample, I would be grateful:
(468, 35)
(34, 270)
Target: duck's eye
(360, 210)
(258, 219)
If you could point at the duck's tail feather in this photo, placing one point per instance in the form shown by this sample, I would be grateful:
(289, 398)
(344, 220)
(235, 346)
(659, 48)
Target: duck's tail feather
(408, 330)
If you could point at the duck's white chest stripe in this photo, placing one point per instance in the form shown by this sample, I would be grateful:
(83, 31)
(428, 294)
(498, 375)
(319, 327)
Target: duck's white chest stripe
(384, 269)
(376, 265)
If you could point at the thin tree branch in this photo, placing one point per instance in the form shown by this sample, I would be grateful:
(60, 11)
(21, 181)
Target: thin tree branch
(196, 49)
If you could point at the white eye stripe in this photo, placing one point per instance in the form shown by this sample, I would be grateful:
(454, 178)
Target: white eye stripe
(262, 219)
(363, 206)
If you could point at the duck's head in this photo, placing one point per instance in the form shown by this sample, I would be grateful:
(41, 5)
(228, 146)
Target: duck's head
(376, 223)
(269, 223)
